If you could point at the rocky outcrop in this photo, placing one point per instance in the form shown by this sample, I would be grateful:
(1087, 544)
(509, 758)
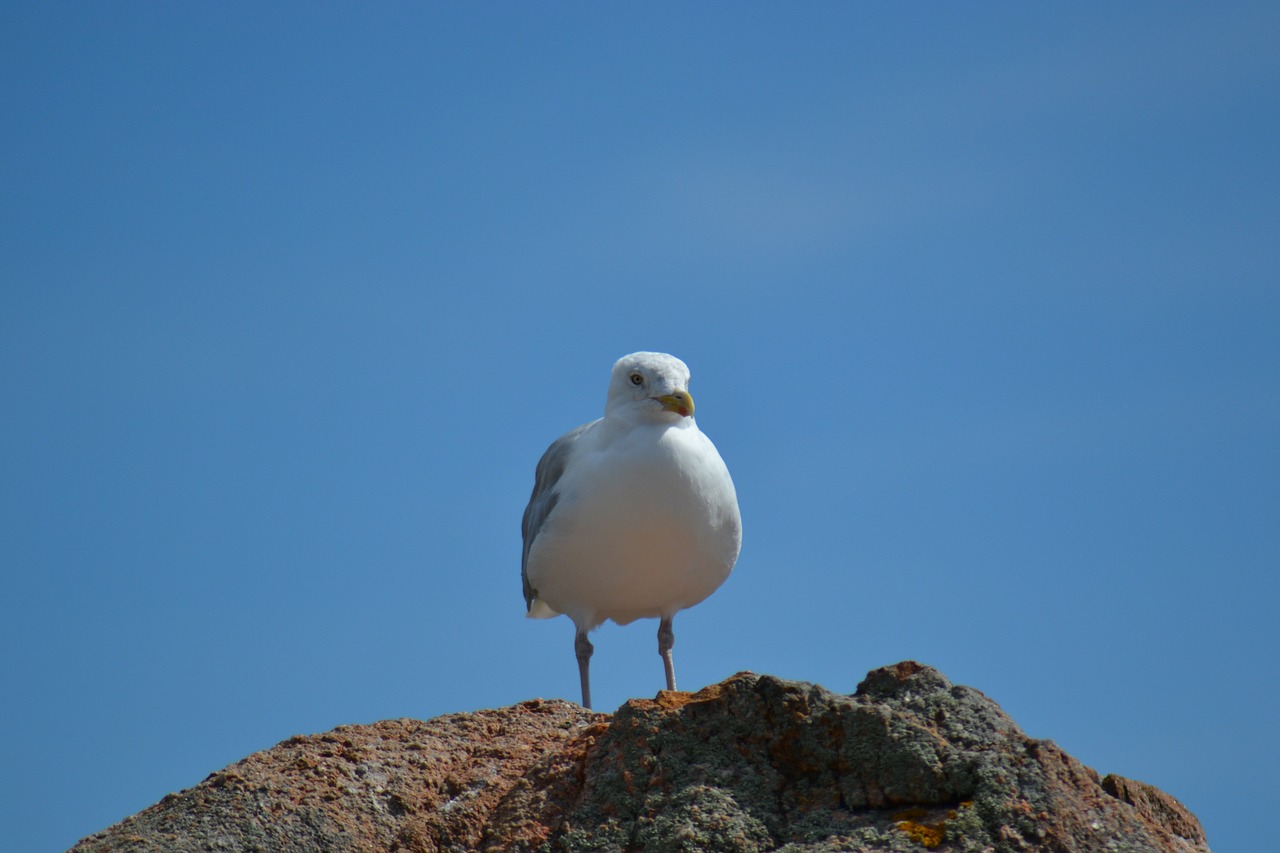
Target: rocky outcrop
(755, 763)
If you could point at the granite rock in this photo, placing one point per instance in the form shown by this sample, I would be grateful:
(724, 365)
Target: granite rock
(754, 763)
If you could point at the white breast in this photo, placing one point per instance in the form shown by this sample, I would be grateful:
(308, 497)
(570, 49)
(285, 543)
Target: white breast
(647, 524)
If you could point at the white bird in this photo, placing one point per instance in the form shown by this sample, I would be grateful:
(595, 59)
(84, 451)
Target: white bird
(633, 515)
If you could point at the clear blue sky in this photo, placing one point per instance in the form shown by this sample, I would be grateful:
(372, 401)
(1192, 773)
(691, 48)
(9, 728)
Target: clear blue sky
(982, 303)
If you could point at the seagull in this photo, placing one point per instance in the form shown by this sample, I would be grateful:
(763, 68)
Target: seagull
(633, 515)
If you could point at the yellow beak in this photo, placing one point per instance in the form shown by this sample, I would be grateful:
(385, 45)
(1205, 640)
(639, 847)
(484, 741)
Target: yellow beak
(680, 402)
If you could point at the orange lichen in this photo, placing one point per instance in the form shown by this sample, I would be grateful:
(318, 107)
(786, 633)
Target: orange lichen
(670, 700)
(928, 835)
(911, 823)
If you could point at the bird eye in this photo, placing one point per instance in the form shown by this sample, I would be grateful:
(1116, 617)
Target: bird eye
(637, 379)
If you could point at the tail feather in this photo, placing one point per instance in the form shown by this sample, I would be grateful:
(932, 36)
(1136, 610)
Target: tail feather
(538, 609)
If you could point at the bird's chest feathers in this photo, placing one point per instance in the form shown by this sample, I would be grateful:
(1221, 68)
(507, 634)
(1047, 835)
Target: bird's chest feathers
(646, 482)
(645, 523)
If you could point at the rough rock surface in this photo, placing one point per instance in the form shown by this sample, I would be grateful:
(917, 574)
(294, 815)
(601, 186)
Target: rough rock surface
(755, 763)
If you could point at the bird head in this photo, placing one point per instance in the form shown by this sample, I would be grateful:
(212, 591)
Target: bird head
(650, 386)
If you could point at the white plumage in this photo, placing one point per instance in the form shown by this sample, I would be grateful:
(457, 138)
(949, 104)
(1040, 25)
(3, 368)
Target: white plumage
(633, 515)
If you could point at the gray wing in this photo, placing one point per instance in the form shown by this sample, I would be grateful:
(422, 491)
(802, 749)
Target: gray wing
(545, 494)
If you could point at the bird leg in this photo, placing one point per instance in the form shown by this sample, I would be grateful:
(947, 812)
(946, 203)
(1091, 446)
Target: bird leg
(583, 647)
(667, 639)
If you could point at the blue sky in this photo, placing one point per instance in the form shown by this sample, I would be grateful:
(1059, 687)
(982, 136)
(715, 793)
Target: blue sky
(982, 304)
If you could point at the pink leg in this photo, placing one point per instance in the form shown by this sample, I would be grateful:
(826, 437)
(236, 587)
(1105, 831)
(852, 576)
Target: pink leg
(582, 646)
(667, 639)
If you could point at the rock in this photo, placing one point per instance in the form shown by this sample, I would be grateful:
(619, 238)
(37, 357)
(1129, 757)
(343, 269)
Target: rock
(755, 763)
